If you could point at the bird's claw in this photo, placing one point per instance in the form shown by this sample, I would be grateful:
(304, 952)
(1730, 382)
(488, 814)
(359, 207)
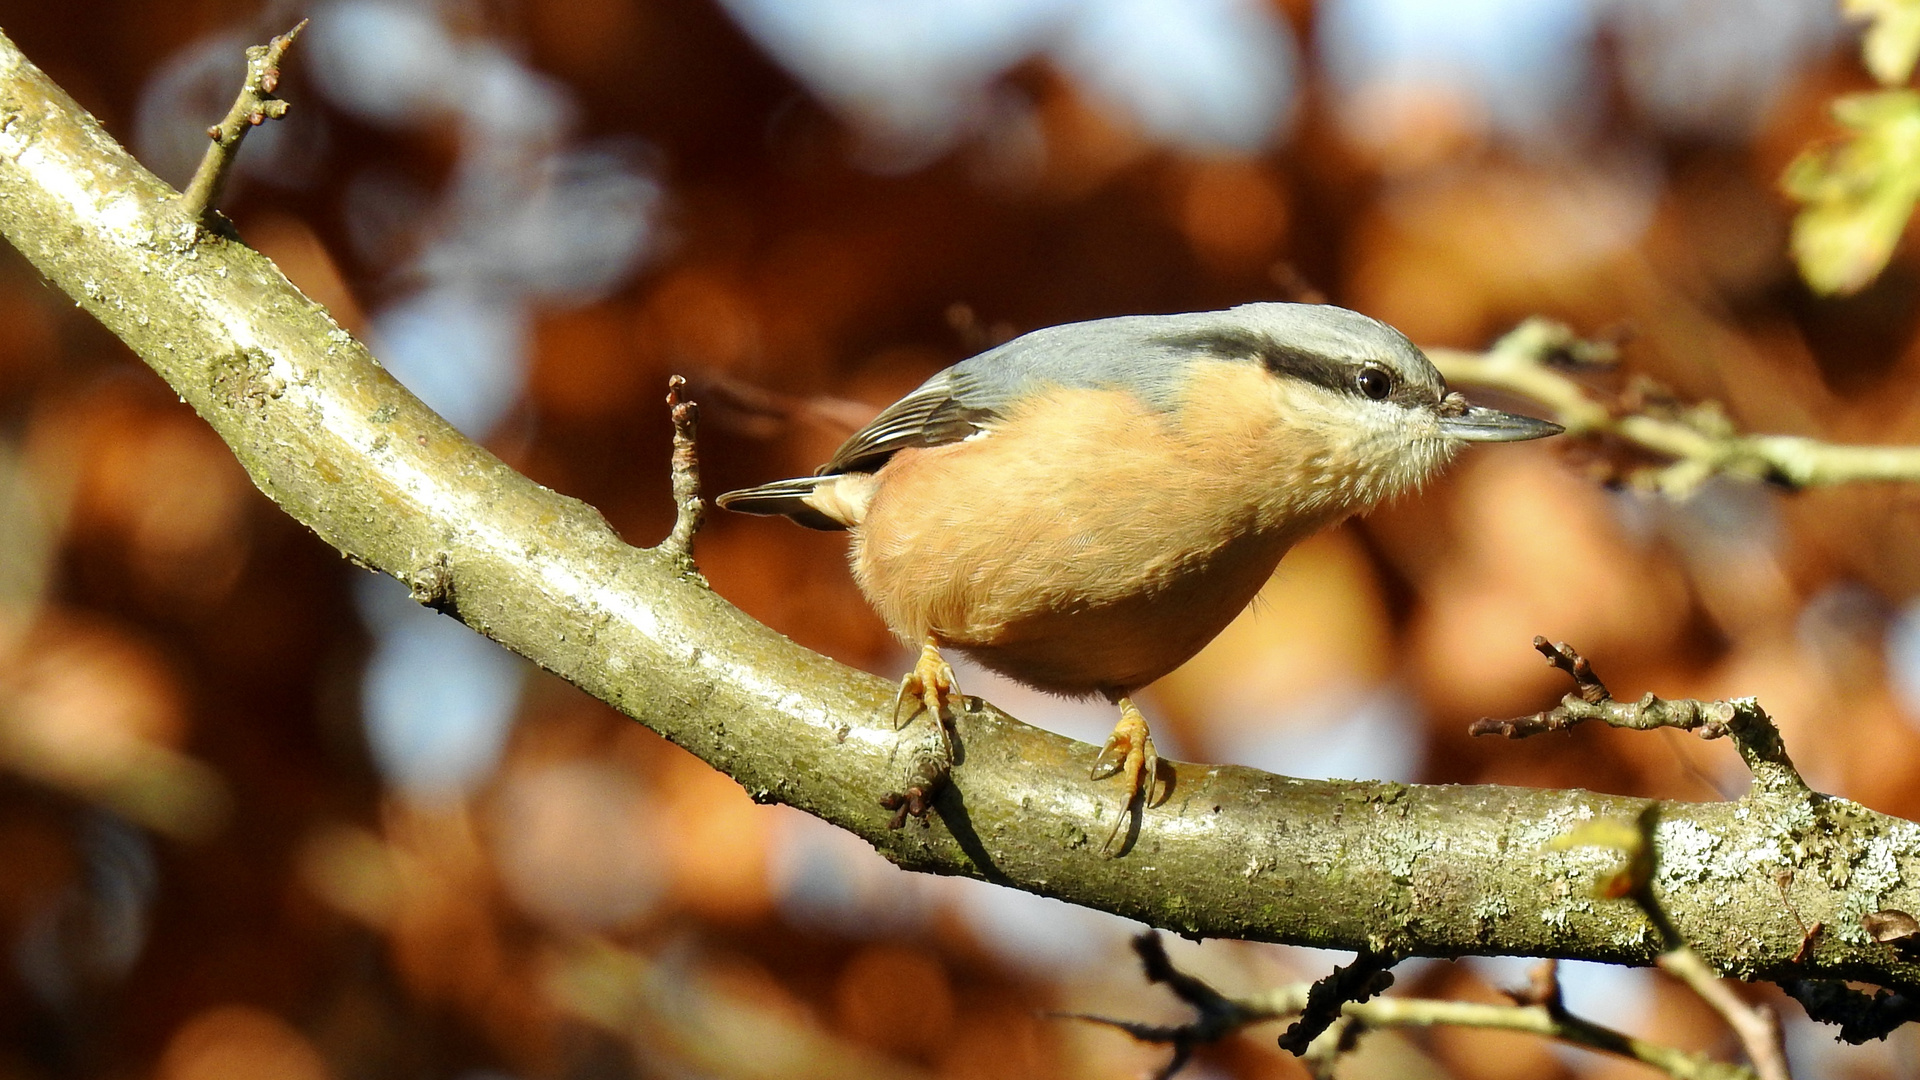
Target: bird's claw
(1129, 752)
(929, 684)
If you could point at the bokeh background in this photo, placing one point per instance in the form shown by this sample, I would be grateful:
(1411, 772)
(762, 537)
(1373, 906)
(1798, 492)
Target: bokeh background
(261, 816)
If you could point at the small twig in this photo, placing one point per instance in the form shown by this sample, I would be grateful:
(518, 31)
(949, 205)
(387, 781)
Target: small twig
(1809, 934)
(1217, 1015)
(1591, 700)
(1756, 1025)
(1537, 1010)
(255, 106)
(1542, 989)
(1359, 981)
(931, 774)
(1752, 729)
(1539, 1020)
(689, 509)
(1697, 442)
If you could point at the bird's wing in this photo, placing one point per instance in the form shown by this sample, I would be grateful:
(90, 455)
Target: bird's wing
(1131, 351)
(947, 408)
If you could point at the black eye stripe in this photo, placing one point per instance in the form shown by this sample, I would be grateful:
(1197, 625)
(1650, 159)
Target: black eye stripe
(1285, 360)
(1306, 366)
(1274, 356)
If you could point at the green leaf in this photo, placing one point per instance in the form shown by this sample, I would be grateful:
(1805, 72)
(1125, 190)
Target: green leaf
(1893, 38)
(1857, 194)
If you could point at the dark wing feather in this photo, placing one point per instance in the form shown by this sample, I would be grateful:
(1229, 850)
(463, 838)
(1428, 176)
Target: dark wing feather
(787, 498)
(939, 412)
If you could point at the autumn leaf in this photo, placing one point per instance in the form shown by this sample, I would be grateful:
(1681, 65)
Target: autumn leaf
(1892, 39)
(1857, 194)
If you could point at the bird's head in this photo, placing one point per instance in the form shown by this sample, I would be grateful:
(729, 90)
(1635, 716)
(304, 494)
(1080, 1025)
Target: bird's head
(1373, 415)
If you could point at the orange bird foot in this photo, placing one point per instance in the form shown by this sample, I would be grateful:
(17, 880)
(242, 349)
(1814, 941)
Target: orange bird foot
(1129, 752)
(929, 684)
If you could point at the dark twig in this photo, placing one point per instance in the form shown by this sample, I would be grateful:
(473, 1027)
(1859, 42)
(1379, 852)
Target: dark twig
(1861, 1016)
(1218, 1015)
(688, 508)
(1537, 1010)
(1366, 977)
(931, 773)
(255, 106)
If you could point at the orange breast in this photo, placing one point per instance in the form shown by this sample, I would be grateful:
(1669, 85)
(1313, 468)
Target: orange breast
(1090, 543)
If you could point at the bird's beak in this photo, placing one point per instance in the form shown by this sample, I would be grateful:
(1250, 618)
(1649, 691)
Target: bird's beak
(1491, 425)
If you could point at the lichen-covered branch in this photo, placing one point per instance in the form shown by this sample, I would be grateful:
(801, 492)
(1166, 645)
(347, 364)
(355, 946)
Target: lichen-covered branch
(327, 434)
(1696, 443)
(1754, 1025)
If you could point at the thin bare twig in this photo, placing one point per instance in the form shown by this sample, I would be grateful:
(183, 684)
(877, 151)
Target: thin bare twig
(255, 106)
(1590, 700)
(1752, 729)
(1216, 1015)
(1756, 1025)
(1537, 1010)
(1697, 442)
(688, 508)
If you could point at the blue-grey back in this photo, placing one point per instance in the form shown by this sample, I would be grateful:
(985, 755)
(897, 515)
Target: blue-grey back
(1146, 355)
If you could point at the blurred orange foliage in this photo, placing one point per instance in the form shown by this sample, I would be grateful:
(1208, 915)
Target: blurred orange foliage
(175, 655)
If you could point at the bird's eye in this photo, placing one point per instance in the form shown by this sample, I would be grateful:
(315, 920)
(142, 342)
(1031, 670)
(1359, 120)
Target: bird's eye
(1374, 383)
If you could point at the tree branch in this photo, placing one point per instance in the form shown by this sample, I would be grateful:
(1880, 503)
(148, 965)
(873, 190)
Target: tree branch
(327, 434)
(1698, 443)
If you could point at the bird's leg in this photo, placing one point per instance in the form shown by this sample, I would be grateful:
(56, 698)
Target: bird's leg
(1129, 752)
(929, 683)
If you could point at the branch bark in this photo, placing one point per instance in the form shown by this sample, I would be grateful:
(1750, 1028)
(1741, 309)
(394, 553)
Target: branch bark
(327, 434)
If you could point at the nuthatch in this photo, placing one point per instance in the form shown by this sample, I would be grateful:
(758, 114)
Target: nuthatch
(1086, 506)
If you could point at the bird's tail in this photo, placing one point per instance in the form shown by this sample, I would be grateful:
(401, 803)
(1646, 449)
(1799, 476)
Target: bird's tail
(786, 498)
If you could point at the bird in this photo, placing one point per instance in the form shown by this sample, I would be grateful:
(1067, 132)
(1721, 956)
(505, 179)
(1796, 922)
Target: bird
(1086, 506)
